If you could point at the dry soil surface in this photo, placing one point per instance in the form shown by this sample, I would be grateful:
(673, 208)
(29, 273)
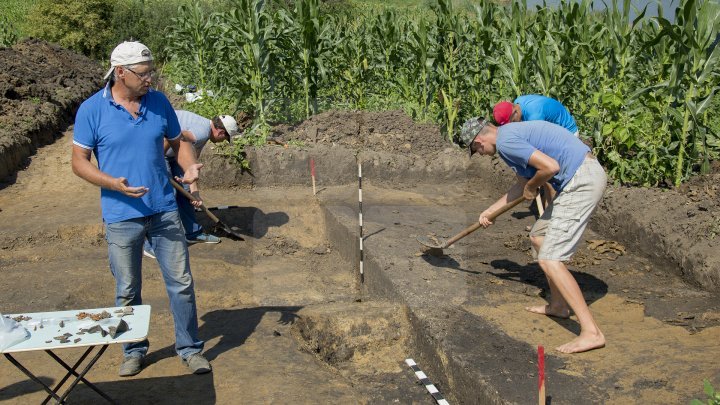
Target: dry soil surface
(280, 312)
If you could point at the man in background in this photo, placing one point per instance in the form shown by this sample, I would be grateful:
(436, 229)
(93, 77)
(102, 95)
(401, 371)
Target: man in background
(196, 130)
(535, 107)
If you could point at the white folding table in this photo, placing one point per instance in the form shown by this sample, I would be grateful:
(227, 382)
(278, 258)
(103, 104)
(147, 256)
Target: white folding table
(45, 327)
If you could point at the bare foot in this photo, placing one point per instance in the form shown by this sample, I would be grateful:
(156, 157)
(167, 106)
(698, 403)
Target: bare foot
(583, 343)
(549, 311)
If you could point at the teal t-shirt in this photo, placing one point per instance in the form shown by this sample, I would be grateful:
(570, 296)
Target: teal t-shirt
(517, 141)
(537, 107)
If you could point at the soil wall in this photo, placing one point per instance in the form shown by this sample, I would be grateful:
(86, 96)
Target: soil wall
(41, 87)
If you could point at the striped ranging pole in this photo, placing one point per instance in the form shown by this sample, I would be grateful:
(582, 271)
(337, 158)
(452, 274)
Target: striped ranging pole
(360, 221)
(541, 375)
(437, 396)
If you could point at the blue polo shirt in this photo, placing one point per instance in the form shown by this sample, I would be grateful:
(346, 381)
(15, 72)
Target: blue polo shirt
(517, 141)
(537, 107)
(130, 148)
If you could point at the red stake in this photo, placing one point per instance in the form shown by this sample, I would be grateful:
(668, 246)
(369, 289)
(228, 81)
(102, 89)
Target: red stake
(541, 375)
(312, 173)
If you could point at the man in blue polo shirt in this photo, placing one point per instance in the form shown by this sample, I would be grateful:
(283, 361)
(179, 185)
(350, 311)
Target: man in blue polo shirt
(127, 125)
(534, 107)
(540, 152)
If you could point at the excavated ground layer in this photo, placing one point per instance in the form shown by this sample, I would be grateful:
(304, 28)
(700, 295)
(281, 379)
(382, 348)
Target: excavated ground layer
(467, 308)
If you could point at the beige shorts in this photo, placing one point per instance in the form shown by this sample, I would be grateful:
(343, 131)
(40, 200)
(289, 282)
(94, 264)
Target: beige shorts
(565, 219)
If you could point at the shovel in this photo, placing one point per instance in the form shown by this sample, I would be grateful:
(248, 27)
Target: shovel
(434, 246)
(220, 228)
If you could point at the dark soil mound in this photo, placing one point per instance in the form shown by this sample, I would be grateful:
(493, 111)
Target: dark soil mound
(41, 86)
(387, 131)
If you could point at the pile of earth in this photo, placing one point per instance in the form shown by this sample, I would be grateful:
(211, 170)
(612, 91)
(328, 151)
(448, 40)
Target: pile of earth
(41, 87)
(679, 227)
(386, 131)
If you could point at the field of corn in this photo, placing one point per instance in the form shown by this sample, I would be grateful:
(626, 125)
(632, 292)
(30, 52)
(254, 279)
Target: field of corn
(642, 90)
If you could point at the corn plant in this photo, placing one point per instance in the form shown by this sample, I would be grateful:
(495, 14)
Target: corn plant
(310, 36)
(192, 45)
(451, 29)
(247, 33)
(352, 61)
(693, 78)
(481, 66)
(420, 71)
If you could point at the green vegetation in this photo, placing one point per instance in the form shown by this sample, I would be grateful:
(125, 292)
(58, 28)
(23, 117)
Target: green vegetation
(642, 91)
(8, 33)
(15, 11)
(713, 397)
(82, 25)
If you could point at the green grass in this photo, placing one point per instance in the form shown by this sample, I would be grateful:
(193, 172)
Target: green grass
(16, 12)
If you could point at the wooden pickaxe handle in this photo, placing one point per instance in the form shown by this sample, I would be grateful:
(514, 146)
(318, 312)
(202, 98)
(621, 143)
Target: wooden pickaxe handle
(474, 227)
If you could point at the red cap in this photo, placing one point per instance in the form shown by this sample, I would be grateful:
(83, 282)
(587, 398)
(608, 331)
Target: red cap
(502, 112)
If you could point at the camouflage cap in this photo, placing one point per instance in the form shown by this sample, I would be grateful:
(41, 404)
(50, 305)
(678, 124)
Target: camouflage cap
(470, 129)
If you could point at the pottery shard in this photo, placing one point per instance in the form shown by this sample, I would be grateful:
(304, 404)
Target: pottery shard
(97, 329)
(120, 328)
(124, 311)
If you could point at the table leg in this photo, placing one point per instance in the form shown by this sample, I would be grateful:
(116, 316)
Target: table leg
(82, 374)
(71, 371)
(32, 377)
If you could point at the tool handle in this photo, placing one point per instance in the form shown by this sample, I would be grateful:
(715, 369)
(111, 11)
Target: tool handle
(538, 202)
(190, 197)
(474, 227)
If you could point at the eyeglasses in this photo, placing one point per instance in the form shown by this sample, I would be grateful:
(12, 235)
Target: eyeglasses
(142, 76)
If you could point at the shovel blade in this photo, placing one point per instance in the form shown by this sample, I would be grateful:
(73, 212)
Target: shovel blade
(431, 246)
(431, 243)
(221, 229)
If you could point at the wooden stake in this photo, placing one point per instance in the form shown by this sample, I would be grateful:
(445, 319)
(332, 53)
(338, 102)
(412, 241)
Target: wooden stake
(312, 173)
(541, 375)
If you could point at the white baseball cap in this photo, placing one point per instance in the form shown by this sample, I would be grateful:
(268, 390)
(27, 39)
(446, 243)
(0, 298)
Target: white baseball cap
(128, 53)
(231, 126)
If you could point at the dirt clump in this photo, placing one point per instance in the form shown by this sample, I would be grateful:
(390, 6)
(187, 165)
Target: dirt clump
(41, 87)
(366, 337)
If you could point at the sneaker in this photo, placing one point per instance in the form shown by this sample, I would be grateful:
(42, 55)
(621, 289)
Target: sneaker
(130, 366)
(204, 238)
(148, 252)
(197, 363)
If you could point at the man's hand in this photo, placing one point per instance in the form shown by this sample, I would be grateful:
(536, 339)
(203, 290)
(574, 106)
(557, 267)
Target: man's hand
(121, 184)
(191, 174)
(529, 192)
(484, 221)
(197, 203)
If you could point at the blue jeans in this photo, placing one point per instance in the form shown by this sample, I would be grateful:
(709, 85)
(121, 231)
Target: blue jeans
(165, 234)
(185, 209)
